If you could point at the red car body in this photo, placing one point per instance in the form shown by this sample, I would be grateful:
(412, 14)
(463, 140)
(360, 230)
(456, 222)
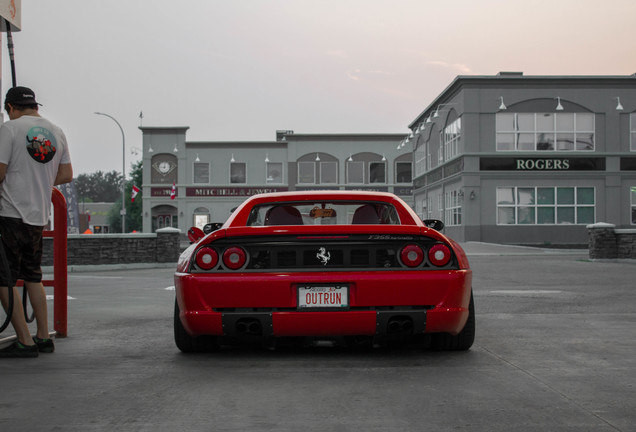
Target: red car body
(323, 275)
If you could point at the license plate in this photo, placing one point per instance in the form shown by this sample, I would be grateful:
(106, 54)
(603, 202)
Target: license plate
(323, 296)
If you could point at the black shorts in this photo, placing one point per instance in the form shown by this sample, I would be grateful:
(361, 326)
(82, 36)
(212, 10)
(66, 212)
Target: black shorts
(23, 247)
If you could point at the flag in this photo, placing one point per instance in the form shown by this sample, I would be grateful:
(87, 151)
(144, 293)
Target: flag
(135, 191)
(173, 192)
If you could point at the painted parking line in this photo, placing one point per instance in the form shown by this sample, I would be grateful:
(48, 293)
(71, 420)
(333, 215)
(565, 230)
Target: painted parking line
(525, 292)
(170, 288)
(51, 297)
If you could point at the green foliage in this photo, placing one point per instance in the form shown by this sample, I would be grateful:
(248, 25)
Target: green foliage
(98, 187)
(133, 209)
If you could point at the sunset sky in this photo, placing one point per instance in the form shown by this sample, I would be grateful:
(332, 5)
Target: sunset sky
(241, 69)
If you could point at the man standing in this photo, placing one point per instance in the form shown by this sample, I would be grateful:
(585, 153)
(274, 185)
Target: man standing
(34, 157)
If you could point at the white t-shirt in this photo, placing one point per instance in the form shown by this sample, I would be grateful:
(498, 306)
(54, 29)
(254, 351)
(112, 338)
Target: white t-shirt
(33, 148)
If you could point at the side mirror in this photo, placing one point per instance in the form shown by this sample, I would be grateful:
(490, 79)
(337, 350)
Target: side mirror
(212, 226)
(436, 224)
(195, 234)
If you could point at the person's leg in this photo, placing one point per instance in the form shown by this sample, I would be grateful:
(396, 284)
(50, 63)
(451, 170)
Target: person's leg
(17, 318)
(37, 296)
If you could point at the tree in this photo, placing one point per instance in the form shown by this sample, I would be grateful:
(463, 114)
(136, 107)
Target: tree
(99, 186)
(133, 209)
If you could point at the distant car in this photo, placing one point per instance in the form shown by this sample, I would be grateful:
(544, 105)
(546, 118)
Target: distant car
(339, 265)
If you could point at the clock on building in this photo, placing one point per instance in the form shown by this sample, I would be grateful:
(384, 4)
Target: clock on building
(164, 167)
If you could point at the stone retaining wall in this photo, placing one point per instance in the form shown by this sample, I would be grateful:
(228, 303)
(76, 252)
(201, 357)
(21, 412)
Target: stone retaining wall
(95, 249)
(607, 242)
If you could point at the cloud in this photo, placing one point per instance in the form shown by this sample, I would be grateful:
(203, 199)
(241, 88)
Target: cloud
(337, 53)
(354, 75)
(460, 67)
(358, 74)
(380, 72)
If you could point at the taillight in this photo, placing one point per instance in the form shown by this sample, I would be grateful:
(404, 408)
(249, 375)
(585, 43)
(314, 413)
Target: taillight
(234, 257)
(439, 255)
(206, 258)
(412, 255)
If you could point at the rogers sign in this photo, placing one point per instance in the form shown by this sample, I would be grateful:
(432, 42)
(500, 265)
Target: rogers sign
(543, 164)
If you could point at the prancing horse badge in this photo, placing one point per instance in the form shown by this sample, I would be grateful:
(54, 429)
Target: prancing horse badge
(323, 255)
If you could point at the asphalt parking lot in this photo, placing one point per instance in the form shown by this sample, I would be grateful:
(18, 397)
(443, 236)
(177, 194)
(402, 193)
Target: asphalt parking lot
(555, 351)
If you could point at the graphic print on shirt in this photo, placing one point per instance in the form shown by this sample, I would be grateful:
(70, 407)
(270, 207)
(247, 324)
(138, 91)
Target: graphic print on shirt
(41, 144)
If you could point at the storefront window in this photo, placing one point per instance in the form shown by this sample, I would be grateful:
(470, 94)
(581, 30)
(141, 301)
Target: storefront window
(633, 204)
(201, 216)
(237, 172)
(420, 159)
(355, 172)
(545, 131)
(201, 173)
(307, 172)
(632, 122)
(328, 172)
(538, 206)
(450, 139)
(377, 172)
(403, 172)
(453, 208)
(274, 172)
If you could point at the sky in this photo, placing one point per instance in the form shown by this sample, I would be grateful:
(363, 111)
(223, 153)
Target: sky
(238, 70)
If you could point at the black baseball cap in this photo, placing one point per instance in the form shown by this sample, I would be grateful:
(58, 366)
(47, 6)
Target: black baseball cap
(20, 96)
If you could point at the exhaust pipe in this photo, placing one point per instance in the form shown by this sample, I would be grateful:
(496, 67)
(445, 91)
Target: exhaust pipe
(400, 326)
(241, 327)
(249, 327)
(255, 328)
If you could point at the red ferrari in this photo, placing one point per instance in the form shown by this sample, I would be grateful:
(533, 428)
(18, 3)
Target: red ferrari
(333, 265)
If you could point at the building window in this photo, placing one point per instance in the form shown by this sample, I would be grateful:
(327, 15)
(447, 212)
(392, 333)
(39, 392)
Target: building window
(328, 172)
(201, 172)
(237, 172)
(403, 172)
(201, 216)
(450, 139)
(452, 208)
(377, 172)
(355, 172)
(307, 172)
(423, 210)
(274, 172)
(420, 159)
(633, 204)
(545, 132)
(545, 205)
(632, 128)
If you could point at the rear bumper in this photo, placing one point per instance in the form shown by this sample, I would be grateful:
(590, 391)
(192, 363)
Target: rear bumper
(380, 303)
(281, 324)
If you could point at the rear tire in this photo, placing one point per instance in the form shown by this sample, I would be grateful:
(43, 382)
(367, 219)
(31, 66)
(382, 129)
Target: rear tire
(463, 340)
(190, 344)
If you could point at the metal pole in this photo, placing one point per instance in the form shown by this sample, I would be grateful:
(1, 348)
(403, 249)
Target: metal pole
(123, 173)
(10, 46)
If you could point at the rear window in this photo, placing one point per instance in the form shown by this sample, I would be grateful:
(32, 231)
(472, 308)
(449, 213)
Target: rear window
(324, 213)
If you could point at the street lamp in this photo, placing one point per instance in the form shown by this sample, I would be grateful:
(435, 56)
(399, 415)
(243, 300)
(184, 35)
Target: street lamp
(123, 173)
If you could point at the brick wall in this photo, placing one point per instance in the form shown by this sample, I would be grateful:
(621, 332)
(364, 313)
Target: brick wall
(607, 242)
(94, 249)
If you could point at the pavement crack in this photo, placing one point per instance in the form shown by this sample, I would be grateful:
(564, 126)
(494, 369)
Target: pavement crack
(551, 388)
